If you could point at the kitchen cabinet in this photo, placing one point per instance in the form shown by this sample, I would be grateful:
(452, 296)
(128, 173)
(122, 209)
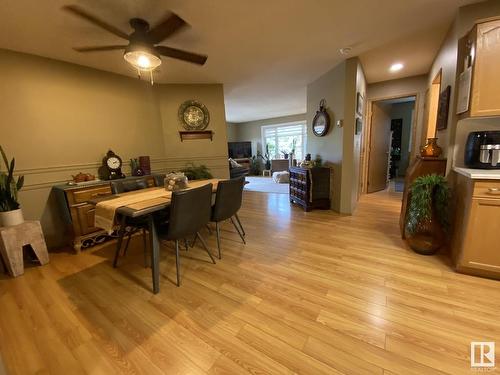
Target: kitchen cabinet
(476, 238)
(478, 80)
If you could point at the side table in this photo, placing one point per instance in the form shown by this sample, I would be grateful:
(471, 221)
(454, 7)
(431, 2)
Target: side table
(266, 173)
(12, 240)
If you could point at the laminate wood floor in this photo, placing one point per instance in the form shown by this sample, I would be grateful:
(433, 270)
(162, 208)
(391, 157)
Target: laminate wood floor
(310, 293)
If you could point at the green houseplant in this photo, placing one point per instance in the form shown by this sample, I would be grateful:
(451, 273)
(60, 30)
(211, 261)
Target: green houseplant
(196, 172)
(427, 219)
(10, 211)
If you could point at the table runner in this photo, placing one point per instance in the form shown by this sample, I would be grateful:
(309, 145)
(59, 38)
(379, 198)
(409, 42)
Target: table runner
(105, 211)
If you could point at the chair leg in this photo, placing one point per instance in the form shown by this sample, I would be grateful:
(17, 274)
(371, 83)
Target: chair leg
(217, 230)
(177, 263)
(205, 246)
(209, 230)
(121, 233)
(128, 241)
(194, 241)
(186, 244)
(145, 243)
(238, 230)
(241, 226)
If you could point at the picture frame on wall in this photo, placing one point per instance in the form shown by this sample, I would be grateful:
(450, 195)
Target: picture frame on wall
(360, 104)
(359, 125)
(443, 108)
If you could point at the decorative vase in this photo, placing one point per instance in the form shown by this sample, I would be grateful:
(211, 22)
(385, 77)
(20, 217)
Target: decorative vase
(11, 218)
(431, 148)
(428, 237)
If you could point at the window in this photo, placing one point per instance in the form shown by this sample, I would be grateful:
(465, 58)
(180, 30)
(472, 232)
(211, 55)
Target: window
(281, 139)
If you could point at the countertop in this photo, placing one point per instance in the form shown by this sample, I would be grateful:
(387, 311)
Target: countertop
(479, 174)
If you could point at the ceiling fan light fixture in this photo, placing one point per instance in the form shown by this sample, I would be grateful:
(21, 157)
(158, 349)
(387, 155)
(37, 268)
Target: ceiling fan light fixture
(142, 60)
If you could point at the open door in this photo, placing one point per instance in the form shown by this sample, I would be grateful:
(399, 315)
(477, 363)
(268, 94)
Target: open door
(380, 138)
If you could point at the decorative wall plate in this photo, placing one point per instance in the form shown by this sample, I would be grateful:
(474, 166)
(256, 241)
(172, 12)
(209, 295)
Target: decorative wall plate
(193, 115)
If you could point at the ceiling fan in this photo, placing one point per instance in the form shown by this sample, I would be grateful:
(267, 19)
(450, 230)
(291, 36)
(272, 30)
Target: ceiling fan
(142, 51)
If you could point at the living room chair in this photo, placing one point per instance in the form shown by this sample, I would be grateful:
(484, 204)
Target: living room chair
(227, 204)
(189, 213)
(134, 224)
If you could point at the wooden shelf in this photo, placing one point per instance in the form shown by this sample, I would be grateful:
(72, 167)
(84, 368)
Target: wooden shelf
(195, 134)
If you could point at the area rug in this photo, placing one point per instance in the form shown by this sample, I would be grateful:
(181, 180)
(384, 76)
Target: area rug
(265, 185)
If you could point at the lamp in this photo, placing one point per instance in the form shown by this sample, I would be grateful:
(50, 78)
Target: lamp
(142, 58)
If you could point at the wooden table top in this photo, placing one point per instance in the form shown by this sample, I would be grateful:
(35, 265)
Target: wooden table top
(155, 204)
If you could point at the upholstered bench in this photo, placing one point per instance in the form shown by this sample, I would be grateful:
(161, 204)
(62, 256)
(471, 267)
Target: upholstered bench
(282, 177)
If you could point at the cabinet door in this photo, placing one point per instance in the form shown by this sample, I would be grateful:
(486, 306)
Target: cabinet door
(481, 249)
(486, 82)
(85, 216)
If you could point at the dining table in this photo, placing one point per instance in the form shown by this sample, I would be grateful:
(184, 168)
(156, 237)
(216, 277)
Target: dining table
(141, 204)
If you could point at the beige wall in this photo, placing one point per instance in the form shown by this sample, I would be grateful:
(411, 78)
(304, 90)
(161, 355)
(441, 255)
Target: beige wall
(453, 138)
(59, 119)
(331, 87)
(340, 148)
(232, 133)
(355, 83)
(177, 153)
(251, 131)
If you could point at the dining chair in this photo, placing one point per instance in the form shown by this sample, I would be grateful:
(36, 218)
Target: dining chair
(227, 204)
(134, 224)
(189, 213)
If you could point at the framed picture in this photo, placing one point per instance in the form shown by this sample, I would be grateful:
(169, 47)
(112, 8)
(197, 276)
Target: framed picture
(360, 102)
(443, 109)
(359, 125)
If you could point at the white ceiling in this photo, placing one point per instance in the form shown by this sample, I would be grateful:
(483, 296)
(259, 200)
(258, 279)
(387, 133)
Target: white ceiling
(265, 52)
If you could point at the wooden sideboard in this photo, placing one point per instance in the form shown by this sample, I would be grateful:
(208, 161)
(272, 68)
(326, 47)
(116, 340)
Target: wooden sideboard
(421, 166)
(78, 214)
(310, 187)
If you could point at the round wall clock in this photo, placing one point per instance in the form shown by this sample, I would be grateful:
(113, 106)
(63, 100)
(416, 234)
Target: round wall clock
(193, 115)
(321, 121)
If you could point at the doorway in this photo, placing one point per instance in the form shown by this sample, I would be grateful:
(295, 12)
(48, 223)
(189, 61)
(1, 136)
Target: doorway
(390, 143)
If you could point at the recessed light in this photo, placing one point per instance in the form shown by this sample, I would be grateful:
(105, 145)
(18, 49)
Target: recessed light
(396, 67)
(345, 50)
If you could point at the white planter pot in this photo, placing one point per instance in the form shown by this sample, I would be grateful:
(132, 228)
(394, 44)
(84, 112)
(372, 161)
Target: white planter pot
(10, 218)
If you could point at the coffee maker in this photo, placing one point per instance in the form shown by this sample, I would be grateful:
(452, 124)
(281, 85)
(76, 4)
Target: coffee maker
(482, 150)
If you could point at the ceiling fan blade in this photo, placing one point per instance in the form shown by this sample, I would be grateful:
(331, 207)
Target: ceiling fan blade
(166, 28)
(182, 55)
(96, 21)
(97, 49)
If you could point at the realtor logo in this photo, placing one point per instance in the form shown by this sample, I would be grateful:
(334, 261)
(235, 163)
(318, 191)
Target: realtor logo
(482, 354)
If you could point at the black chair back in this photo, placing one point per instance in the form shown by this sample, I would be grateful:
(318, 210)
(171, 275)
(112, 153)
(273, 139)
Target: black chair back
(228, 199)
(118, 187)
(189, 211)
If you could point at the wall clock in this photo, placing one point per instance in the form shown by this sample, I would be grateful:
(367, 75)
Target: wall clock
(193, 115)
(321, 121)
(111, 168)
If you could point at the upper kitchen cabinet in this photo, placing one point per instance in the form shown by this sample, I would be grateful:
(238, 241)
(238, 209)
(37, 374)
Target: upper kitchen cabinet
(478, 71)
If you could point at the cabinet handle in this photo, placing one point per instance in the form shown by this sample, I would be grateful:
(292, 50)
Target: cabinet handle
(98, 194)
(493, 191)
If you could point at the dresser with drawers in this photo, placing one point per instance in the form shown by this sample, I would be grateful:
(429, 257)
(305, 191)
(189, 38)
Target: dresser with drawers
(310, 187)
(78, 214)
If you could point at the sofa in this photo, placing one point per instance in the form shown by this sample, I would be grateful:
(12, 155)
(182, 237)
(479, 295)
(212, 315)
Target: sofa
(242, 170)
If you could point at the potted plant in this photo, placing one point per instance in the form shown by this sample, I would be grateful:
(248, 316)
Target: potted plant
(428, 213)
(196, 172)
(10, 212)
(265, 158)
